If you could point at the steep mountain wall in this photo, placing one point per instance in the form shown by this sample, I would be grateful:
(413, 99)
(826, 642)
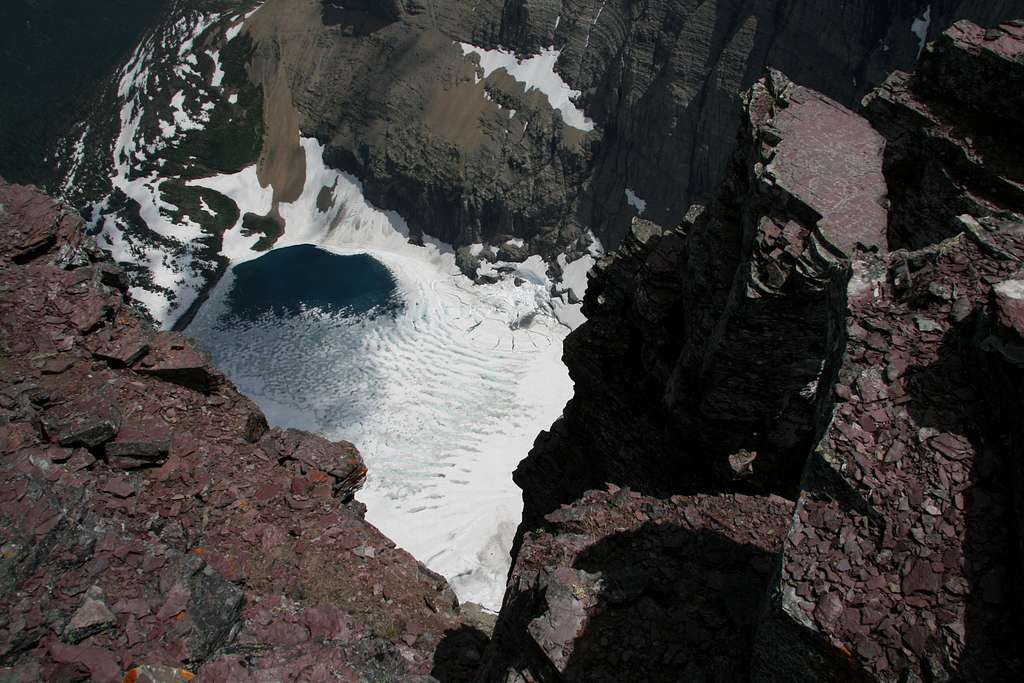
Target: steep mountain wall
(659, 78)
(476, 122)
(785, 340)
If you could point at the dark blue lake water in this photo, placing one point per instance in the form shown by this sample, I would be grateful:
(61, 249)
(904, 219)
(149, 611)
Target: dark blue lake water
(286, 281)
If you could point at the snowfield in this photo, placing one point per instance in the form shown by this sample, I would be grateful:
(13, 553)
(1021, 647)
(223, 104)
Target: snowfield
(443, 400)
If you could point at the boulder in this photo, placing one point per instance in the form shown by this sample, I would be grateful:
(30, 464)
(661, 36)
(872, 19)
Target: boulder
(32, 222)
(174, 358)
(89, 420)
(91, 618)
(143, 441)
(311, 453)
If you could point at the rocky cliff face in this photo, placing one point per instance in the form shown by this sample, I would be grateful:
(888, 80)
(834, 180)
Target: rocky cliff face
(541, 120)
(833, 329)
(148, 516)
(465, 158)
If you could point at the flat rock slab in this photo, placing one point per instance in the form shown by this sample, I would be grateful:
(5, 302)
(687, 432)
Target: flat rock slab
(174, 358)
(313, 453)
(31, 222)
(142, 441)
(831, 159)
(91, 618)
(121, 345)
(982, 67)
(89, 420)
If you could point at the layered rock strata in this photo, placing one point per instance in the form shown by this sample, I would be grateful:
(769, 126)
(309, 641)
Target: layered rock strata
(149, 516)
(465, 155)
(835, 329)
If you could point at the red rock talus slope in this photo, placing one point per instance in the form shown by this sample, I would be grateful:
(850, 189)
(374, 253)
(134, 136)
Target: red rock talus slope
(842, 327)
(900, 561)
(148, 516)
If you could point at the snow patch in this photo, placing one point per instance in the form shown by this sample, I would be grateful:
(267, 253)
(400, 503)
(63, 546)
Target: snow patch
(920, 28)
(574, 274)
(233, 31)
(537, 73)
(77, 157)
(218, 72)
(182, 120)
(198, 30)
(244, 189)
(1011, 289)
(636, 202)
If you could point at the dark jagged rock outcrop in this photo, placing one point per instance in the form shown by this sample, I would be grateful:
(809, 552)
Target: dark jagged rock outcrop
(734, 320)
(833, 328)
(946, 154)
(150, 517)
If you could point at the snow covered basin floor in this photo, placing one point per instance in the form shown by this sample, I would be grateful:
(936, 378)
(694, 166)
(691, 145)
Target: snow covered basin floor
(441, 394)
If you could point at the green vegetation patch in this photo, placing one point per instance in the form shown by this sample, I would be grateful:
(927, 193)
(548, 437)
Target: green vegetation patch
(233, 137)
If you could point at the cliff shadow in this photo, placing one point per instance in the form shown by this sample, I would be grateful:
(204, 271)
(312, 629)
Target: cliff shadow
(968, 393)
(359, 17)
(458, 655)
(675, 605)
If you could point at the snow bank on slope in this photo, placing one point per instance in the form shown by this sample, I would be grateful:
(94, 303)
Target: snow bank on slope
(636, 201)
(166, 252)
(443, 401)
(920, 28)
(218, 72)
(538, 73)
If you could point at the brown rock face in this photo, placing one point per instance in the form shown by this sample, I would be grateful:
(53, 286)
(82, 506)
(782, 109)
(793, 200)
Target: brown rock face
(149, 519)
(796, 336)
